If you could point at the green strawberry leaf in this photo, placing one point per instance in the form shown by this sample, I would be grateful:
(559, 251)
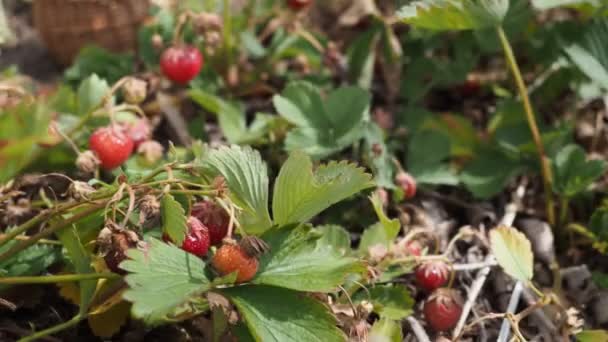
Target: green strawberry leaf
(591, 54)
(336, 237)
(247, 177)
(82, 264)
(392, 302)
(300, 261)
(162, 279)
(300, 192)
(386, 330)
(173, 219)
(322, 128)
(598, 224)
(573, 174)
(381, 233)
(513, 252)
(28, 262)
(592, 336)
(232, 118)
(275, 314)
(90, 93)
(454, 14)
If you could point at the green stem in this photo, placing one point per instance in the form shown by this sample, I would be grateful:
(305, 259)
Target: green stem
(523, 92)
(52, 279)
(50, 230)
(43, 333)
(46, 216)
(194, 192)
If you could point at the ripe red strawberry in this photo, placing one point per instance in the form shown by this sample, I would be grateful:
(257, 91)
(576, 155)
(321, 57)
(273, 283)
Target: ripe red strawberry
(197, 239)
(112, 146)
(407, 183)
(469, 88)
(181, 64)
(214, 217)
(432, 275)
(232, 258)
(443, 309)
(298, 5)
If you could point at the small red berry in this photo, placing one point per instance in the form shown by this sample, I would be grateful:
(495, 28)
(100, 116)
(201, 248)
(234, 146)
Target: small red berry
(432, 275)
(407, 183)
(112, 146)
(443, 309)
(197, 239)
(469, 88)
(232, 258)
(181, 64)
(214, 217)
(298, 5)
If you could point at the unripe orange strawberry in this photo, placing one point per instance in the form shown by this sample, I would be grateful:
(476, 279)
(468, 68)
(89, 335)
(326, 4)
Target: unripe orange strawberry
(231, 258)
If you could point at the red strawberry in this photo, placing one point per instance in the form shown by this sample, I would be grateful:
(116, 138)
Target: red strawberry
(443, 309)
(214, 217)
(181, 64)
(232, 258)
(197, 239)
(432, 275)
(298, 5)
(111, 145)
(407, 183)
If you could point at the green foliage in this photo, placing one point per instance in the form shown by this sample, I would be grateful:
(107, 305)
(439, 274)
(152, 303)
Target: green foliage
(91, 93)
(247, 177)
(322, 127)
(454, 14)
(513, 252)
(299, 261)
(392, 302)
(592, 336)
(173, 219)
(301, 192)
(573, 174)
(232, 119)
(29, 262)
(22, 128)
(383, 232)
(274, 314)
(82, 264)
(161, 279)
(335, 236)
(386, 330)
(598, 223)
(93, 60)
(591, 54)
(489, 172)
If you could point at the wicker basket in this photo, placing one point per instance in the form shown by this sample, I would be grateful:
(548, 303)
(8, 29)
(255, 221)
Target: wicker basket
(68, 25)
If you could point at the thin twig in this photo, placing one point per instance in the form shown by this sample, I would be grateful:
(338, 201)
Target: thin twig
(482, 275)
(418, 330)
(475, 265)
(474, 291)
(505, 328)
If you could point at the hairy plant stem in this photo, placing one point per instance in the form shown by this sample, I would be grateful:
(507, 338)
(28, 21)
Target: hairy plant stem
(43, 333)
(50, 230)
(545, 167)
(46, 216)
(62, 278)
